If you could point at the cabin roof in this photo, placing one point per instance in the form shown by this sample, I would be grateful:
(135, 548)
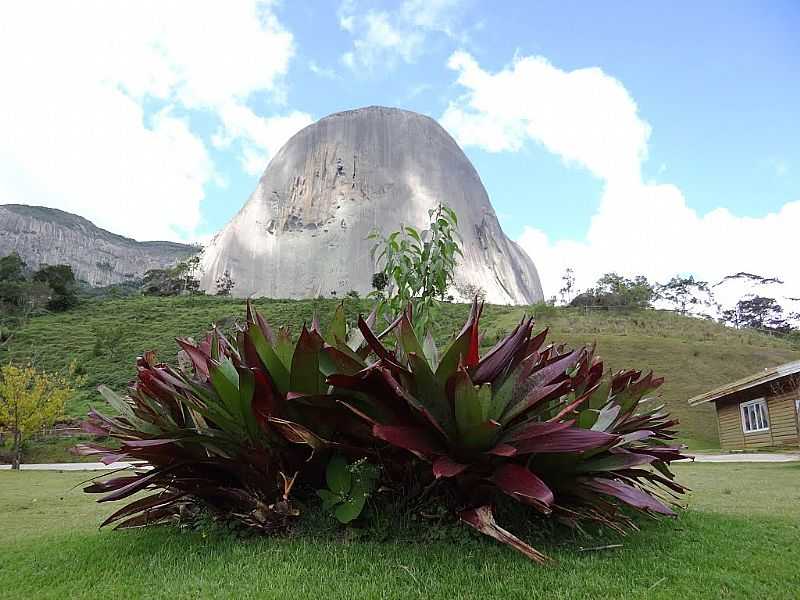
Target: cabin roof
(747, 383)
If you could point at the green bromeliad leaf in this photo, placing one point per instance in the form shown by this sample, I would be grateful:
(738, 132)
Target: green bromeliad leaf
(407, 338)
(481, 437)
(337, 330)
(614, 462)
(599, 397)
(235, 389)
(503, 394)
(467, 404)
(122, 407)
(247, 387)
(587, 418)
(266, 352)
(472, 405)
(454, 354)
(211, 408)
(305, 375)
(431, 351)
(485, 400)
(430, 393)
(340, 360)
(284, 348)
(225, 381)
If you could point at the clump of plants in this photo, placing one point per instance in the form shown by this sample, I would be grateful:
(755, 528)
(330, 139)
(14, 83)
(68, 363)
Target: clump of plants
(257, 427)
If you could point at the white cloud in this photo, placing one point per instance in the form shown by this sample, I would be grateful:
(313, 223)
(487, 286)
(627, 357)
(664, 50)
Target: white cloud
(324, 72)
(380, 41)
(417, 90)
(260, 137)
(584, 116)
(433, 15)
(387, 37)
(590, 120)
(79, 83)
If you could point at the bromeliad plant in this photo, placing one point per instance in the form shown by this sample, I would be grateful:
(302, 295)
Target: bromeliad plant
(259, 421)
(534, 422)
(223, 435)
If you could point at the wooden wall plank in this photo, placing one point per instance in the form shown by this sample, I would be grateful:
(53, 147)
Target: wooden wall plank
(783, 429)
(730, 427)
(783, 420)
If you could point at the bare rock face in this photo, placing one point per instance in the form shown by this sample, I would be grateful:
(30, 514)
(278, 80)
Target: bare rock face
(303, 231)
(49, 236)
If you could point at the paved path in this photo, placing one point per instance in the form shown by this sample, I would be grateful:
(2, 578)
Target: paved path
(764, 457)
(713, 458)
(85, 466)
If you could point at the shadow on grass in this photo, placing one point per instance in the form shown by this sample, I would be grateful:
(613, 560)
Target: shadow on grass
(699, 555)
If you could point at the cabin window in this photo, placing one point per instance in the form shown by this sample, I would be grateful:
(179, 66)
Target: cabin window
(754, 416)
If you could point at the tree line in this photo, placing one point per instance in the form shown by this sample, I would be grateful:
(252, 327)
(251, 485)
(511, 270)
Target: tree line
(684, 295)
(26, 292)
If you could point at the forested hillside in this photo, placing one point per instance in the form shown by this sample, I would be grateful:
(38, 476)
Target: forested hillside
(104, 337)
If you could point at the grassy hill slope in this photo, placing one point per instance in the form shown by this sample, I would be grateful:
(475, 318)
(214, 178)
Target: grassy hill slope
(104, 338)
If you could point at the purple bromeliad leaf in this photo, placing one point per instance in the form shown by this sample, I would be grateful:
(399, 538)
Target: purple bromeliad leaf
(628, 494)
(519, 483)
(571, 439)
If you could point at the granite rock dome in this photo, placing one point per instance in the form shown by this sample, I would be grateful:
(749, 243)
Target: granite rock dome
(303, 230)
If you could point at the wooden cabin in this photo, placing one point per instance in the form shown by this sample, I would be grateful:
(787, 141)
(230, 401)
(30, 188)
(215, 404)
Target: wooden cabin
(759, 411)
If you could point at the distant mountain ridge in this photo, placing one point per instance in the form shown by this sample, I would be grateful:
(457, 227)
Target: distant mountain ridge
(42, 235)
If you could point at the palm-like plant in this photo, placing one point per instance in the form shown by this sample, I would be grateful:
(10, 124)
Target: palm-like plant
(223, 434)
(232, 431)
(537, 423)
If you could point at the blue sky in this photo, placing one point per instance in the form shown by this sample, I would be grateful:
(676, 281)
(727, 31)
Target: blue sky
(719, 82)
(686, 108)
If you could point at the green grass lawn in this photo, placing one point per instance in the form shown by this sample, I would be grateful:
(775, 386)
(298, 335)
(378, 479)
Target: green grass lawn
(694, 355)
(48, 450)
(740, 538)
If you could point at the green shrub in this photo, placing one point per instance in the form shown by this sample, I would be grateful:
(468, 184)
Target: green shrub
(417, 266)
(256, 427)
(349, 486)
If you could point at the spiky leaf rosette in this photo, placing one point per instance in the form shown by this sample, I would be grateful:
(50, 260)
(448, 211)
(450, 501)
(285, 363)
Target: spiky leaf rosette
(227, 433)
(537, 423)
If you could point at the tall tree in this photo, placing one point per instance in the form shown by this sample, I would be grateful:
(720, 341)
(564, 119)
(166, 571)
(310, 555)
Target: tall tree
(568, 279)
(29, 401)
(12, 268)
(613, 289)
(19, 297)
(758, 312)
(225, 284)
(417, 265)
(64, 289)
(685, 293)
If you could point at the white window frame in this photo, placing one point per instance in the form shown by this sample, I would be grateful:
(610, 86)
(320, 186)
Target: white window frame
(761, 421)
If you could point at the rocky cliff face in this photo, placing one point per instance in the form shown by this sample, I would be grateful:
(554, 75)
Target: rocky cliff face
(303, 231)
(49, 236)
